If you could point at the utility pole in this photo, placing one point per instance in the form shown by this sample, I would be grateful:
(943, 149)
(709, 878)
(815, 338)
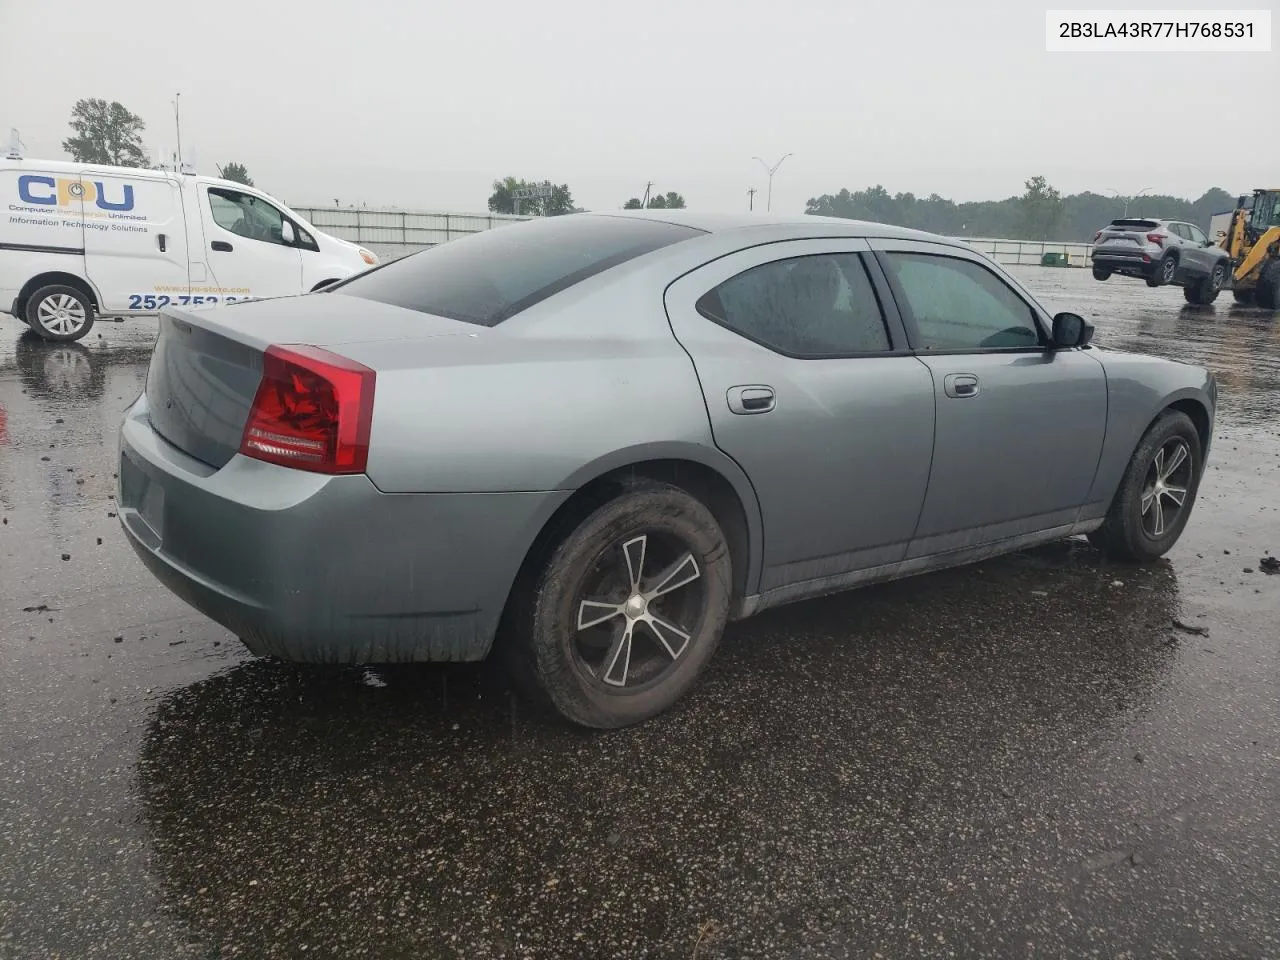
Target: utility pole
(177, 123)
(644, 204)
(751, 198)
(772, 170)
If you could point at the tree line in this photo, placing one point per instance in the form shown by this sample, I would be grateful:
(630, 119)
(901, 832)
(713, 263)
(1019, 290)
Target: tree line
(1040, 213)
(111, 134)
(503, 200)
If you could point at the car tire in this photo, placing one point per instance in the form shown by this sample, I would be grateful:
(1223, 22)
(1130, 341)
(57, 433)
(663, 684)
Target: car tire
(1133, 533)
(605, 669)
(1267, 293)
(1205, 290)
(1100, 274)
(60, 313)
(1166, 270)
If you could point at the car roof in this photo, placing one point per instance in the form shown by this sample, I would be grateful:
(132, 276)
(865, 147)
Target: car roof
(727, 222)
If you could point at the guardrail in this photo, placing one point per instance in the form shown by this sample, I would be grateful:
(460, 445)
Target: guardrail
(393, 233)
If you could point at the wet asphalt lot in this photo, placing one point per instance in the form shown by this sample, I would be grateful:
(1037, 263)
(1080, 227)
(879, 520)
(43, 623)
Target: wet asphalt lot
(1045, 755)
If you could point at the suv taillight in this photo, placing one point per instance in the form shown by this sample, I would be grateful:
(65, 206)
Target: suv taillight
(313, 411)
(1155, 238)
(1096, 236)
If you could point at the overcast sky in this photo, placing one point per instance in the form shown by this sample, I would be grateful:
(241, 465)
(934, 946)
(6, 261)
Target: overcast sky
(422, 105)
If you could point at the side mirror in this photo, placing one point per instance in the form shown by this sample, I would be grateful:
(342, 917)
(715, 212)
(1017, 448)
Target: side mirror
(287, 234)
(1208, 243)
(1071, 330)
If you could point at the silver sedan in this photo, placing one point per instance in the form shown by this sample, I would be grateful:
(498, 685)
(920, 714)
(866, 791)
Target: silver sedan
(587, 442)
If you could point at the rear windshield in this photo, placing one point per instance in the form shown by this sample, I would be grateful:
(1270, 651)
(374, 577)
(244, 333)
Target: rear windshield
(1135, 224)
(493, 275)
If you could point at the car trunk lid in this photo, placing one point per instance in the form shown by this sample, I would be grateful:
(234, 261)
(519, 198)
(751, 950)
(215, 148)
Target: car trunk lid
(207, 364)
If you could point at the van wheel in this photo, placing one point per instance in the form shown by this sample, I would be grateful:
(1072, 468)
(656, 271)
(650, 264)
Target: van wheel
(58, 312)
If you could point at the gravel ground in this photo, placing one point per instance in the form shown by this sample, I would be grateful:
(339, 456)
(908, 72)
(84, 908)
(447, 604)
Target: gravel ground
(1039, 756)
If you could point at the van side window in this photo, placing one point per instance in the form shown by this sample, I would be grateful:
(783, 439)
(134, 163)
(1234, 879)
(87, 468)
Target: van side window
(246, 215)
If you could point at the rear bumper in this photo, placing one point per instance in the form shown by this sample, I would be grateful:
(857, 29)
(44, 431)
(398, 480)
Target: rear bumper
(313, 568)
(1128, 263)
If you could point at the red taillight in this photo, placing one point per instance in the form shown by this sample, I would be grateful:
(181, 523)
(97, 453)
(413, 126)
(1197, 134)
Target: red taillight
(1156, 239)
(313, 411)
(1096, 236)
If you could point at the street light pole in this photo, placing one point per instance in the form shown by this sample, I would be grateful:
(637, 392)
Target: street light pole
(1128, 199)
(772, 170)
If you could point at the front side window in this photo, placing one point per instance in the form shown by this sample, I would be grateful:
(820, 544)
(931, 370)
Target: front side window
(1196, 235)
(812, 306)
(246, 215)
(960, 305)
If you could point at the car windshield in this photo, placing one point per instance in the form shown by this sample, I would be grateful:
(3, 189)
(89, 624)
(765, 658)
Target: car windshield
(491, 276)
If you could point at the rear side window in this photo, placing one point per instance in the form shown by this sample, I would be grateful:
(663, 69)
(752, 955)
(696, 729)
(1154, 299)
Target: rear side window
(491, 276)
(814, 306)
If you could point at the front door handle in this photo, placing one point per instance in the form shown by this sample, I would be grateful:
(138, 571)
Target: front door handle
(757, 398)
(961, 385)
(221, 245)
(160, 240)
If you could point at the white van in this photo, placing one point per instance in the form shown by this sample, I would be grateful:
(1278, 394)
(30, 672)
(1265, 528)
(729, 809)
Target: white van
(79, 241)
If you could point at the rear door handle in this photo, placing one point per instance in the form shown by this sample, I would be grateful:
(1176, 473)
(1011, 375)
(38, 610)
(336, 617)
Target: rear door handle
(756, 398)
(221, 245)
(961, 385)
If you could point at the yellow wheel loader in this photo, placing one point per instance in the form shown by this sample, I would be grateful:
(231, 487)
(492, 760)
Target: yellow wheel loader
(1253, 242)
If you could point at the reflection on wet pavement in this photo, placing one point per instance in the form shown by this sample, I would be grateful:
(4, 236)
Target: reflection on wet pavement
(1042, 755)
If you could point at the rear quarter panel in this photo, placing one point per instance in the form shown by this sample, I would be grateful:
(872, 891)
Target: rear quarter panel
(588, 379)
(1139, 388)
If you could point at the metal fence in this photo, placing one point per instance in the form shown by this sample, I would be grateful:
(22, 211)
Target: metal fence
(1029, 252)
(392, 233)
(395, 233)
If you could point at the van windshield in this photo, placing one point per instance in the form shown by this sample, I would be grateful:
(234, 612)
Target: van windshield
(493, 275)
